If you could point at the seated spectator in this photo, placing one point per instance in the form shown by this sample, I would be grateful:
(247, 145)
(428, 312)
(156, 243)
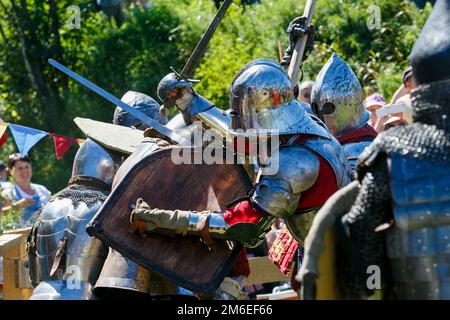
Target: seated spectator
(21, 193)
(372, 104)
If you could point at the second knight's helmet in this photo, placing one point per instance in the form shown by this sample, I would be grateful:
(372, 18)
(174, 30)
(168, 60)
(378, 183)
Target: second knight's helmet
(92, 160)
(263, 99)
(336, 97)
(143, 103)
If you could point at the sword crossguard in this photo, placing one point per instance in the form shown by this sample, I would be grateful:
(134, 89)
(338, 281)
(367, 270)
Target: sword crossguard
(180, 77)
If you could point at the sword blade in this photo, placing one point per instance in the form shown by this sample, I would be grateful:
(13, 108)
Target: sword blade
(200, 49)
(108, 96)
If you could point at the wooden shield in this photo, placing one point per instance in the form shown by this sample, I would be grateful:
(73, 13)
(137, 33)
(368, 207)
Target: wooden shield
(151, 174)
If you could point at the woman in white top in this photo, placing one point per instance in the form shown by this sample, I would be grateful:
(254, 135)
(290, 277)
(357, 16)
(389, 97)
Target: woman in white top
(22, 194)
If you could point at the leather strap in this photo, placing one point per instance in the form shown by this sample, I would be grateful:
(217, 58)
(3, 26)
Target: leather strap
(59, 255)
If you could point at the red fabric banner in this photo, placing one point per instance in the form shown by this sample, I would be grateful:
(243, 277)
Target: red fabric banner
(62, 144)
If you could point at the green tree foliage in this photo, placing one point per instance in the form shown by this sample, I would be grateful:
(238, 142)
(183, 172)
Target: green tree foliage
(377, 56)
(134, 57)
(139, 53)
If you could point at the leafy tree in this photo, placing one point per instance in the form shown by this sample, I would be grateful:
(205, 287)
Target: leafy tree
(139, 53)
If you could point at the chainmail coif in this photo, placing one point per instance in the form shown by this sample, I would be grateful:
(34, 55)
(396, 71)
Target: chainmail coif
(82, 193)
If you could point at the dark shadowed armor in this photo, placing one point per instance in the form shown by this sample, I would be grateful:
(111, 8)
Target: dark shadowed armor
(401, 220)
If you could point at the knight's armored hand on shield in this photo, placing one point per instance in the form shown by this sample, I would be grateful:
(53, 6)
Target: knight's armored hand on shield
(296, 29)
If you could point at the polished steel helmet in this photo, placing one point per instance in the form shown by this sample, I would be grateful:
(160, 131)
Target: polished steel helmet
(336, 97)
(262, 99)
(143, 103)
(92, 160)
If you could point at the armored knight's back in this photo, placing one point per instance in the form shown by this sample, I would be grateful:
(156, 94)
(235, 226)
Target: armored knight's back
(64, 261)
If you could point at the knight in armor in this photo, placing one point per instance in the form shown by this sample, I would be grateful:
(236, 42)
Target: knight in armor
(337, 99)
(64, 261)
(312, 165)
(400, 221)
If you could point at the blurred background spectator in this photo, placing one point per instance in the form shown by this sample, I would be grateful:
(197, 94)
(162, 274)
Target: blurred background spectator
(398, 113)
(21, 194)
(3, 172)
(372, 104)
(408, 84)
(304, 91)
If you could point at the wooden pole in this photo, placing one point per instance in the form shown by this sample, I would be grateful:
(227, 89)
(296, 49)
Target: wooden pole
(299, 50)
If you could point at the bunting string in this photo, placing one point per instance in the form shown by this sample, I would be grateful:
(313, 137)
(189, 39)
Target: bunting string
(26, 138)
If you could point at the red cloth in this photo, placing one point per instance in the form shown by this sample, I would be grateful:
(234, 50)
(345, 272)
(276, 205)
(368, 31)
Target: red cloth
(367, 131)
(324, 187)
(283, 250)
(242, 212)
(241, 266)
(62, 144)
(3, 139)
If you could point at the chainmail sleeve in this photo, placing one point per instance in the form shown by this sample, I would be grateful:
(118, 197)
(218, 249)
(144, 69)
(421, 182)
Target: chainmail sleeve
(358, 245)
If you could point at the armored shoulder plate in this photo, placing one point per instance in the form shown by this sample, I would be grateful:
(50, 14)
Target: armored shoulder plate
(278, 191)
(332, 151)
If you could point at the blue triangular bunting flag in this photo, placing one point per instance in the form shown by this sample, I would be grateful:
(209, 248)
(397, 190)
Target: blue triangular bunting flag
(26, 137)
